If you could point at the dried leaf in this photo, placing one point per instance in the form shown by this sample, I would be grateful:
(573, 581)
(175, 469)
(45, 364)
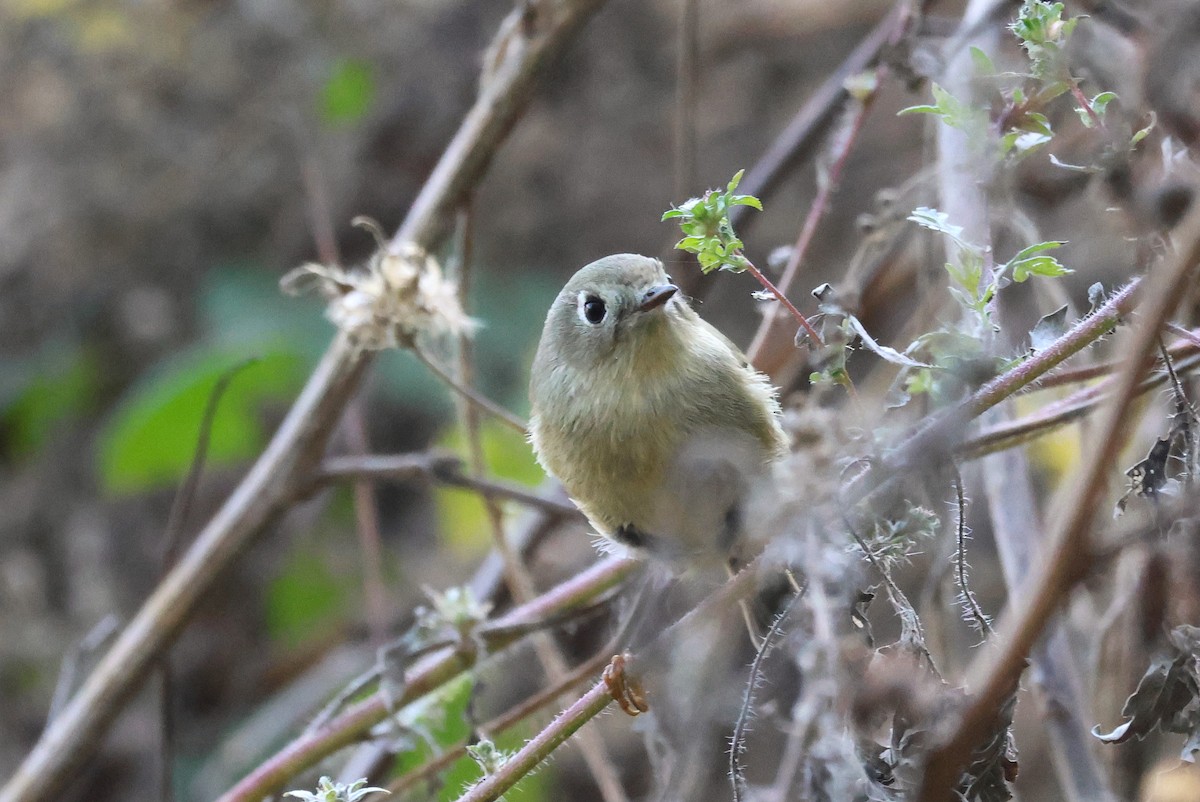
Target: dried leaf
(883, 351)
(1167, 697)
(1048, 329)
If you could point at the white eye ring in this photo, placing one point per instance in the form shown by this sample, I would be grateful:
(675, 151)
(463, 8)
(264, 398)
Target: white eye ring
(591, 308)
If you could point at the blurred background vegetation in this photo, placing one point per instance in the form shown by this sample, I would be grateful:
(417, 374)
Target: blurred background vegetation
(165, 163)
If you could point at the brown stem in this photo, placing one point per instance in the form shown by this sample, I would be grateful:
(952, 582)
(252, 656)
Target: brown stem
(260, 497)
(529, 39)
(1011, 433)
(797, 141)
(803, 321)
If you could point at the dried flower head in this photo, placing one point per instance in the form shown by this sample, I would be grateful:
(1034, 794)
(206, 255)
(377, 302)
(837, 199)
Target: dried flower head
(399, 295)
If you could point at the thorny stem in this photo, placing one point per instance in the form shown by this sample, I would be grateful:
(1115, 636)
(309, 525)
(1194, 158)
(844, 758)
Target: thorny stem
(939, 434)
(1068, 561)
(896, 596)
(1053, 416)
(501, 723)
(543, 744)
(737, 742)
(1081, 335)
(960, 559)
(1179, 350)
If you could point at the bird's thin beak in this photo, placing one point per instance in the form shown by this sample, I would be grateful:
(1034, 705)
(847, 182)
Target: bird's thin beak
(657, 296)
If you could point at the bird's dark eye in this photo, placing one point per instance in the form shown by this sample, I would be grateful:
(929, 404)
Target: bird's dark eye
(593, 309)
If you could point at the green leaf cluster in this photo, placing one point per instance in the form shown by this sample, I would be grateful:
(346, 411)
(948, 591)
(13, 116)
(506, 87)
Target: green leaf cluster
(955, 113)
(892, 541)
(970, 285)
(957, 356)
(1043, 34)
(708, 233)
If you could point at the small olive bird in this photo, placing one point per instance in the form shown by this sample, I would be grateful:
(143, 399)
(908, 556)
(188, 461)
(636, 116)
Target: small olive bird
(652, 419)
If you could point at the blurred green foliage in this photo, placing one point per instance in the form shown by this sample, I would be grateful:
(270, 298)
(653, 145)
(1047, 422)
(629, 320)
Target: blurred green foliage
(42, 392)
(150, 441)
(307, 598)
(349, 92)
(462, 516)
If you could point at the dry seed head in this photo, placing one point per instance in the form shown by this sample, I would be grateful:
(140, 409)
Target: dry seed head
(398, 296)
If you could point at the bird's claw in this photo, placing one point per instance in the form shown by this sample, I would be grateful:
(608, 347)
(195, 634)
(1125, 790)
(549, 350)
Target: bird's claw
(625, 689)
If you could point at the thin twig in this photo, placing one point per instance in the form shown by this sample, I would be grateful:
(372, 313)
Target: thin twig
(783, 299)
(1086, 105)
(803, 133)
(320, 217)
(370, 541)
(366, 513)
(520, 583)
(472, 396)
(442, 468)
(181, 507)
(687, 78)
